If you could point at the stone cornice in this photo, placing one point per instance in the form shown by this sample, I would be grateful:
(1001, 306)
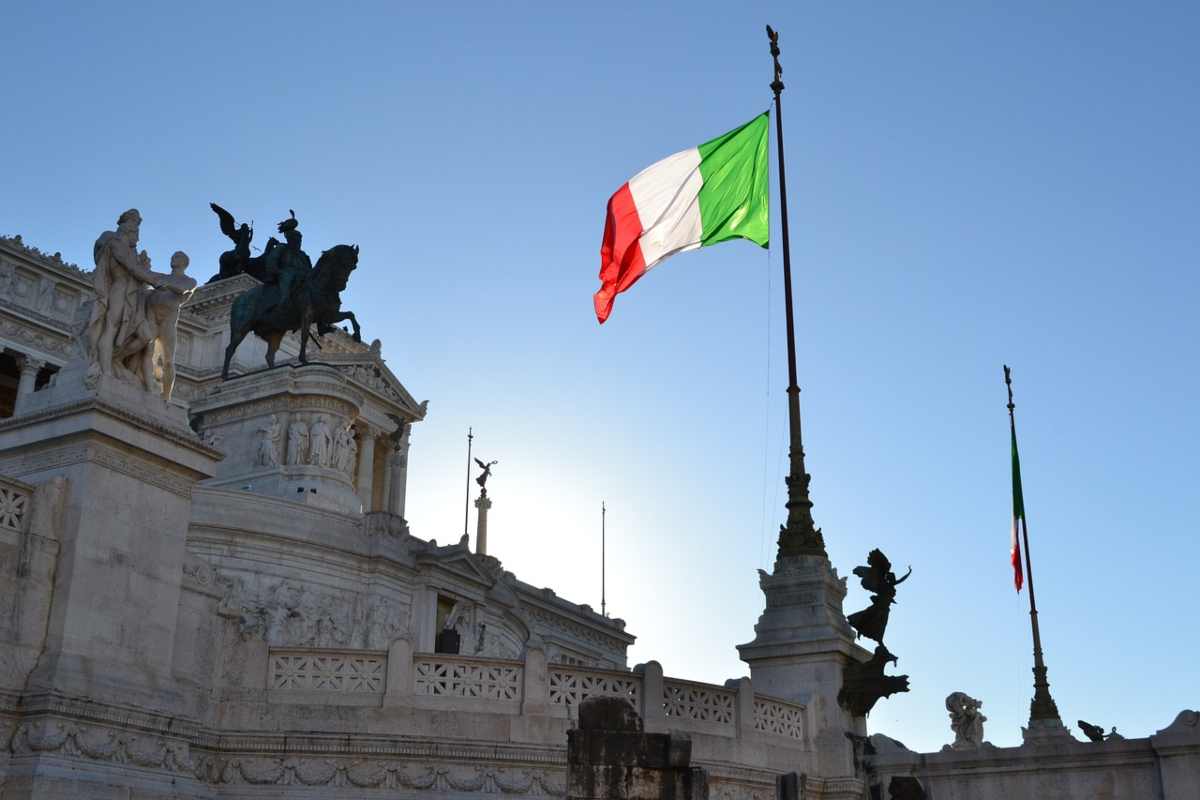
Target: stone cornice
(15, 245)
(178, 436)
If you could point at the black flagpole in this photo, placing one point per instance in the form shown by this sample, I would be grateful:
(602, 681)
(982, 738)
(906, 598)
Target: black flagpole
(1042, 707)
(467, 501)
(799, 536)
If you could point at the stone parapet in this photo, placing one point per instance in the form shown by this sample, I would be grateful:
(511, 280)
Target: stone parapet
(1165, 766)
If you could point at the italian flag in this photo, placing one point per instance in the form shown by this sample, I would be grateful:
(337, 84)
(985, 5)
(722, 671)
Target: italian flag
(1018, 514)
(697, 197)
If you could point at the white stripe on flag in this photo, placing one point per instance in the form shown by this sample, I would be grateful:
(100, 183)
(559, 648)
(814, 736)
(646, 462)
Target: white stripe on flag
(667, 196)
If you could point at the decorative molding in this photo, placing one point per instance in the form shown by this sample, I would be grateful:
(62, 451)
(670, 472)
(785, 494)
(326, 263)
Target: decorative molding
(176, 435)
(53, 261)
(49, 735)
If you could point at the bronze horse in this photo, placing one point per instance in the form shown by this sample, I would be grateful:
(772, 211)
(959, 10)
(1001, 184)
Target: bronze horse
(314, 298)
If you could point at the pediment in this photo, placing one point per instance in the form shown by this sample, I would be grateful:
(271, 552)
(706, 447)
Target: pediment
(368, 372)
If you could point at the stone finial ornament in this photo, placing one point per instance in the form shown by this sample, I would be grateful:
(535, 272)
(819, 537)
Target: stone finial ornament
(966, 721)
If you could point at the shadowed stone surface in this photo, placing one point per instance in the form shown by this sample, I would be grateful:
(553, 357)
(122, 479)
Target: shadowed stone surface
(610, 757)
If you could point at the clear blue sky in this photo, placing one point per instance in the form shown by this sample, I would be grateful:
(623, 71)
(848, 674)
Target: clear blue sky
(971, 184)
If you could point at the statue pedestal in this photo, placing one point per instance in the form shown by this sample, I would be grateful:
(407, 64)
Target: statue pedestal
(239, 410)
(802, 643)
(130, 463)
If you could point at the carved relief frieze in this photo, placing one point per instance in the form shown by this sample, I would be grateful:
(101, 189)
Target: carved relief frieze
(289, 614)
(24, 334)
(276, 405)
(71, 738)
(571, 628)
(383, 774)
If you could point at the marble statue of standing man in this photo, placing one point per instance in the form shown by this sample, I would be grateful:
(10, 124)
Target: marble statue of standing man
(117, 313)
(155, 336)
(297, 442)
(320, 440)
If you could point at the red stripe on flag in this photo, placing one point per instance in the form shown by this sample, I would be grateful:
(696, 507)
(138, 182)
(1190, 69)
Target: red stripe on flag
(1018, 575)
(621, 261)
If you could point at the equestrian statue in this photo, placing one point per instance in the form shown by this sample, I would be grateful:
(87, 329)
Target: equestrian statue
(294, 296)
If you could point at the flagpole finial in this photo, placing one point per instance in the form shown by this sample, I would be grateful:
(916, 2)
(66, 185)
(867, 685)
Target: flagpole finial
(1008, 383)
(777, 84)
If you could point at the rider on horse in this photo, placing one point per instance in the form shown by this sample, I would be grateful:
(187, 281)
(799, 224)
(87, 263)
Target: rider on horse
(284, 265)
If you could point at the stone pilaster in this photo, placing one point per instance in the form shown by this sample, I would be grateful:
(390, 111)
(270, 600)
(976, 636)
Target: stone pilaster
(366, 467)
(398, 486)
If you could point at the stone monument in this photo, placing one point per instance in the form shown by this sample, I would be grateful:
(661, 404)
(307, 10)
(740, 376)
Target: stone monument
(126, 461)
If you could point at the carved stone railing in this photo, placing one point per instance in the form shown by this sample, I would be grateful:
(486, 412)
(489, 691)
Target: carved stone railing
(16, 506)
(570, 686)
(458, 676)
(699, 702)
(339, 677)
(434, 681)
(779, 718)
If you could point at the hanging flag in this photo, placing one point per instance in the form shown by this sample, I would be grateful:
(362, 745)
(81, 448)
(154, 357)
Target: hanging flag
(1018, 514)
(695, 198)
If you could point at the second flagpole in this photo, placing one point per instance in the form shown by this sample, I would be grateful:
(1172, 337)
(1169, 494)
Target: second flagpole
(799, 536)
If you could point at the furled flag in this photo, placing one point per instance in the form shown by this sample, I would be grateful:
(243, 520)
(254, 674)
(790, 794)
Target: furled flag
(1018, 514)
(695, 198)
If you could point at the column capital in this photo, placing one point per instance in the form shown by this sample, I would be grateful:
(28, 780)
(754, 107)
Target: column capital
(28, 363)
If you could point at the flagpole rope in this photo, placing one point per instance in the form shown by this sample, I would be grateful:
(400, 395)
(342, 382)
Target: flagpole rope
(762, 556)
(762, 525)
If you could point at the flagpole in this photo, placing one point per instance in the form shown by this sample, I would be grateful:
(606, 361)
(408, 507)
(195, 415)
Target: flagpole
(603, 560)
(799, 536)
(1042, 707)
(467, 501)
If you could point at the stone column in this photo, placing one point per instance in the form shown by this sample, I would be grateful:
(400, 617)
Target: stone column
(366, 467)
(483, 504)
(30, 367)
(386, 494)
(398, 483)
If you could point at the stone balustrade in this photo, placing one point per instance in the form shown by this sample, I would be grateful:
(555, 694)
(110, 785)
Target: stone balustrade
(435, 681)
(16, 506)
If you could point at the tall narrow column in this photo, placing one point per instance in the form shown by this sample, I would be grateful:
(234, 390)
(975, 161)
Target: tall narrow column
(366, 467)
(483, 504)
(30, 367)
(399, 481)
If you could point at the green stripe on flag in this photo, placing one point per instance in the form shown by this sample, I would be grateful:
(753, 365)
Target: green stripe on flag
(1018, 496)
(734, 201)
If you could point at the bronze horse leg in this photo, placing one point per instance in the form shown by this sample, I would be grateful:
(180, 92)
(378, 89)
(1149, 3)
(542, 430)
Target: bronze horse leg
(273, 347)
(327, 323)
